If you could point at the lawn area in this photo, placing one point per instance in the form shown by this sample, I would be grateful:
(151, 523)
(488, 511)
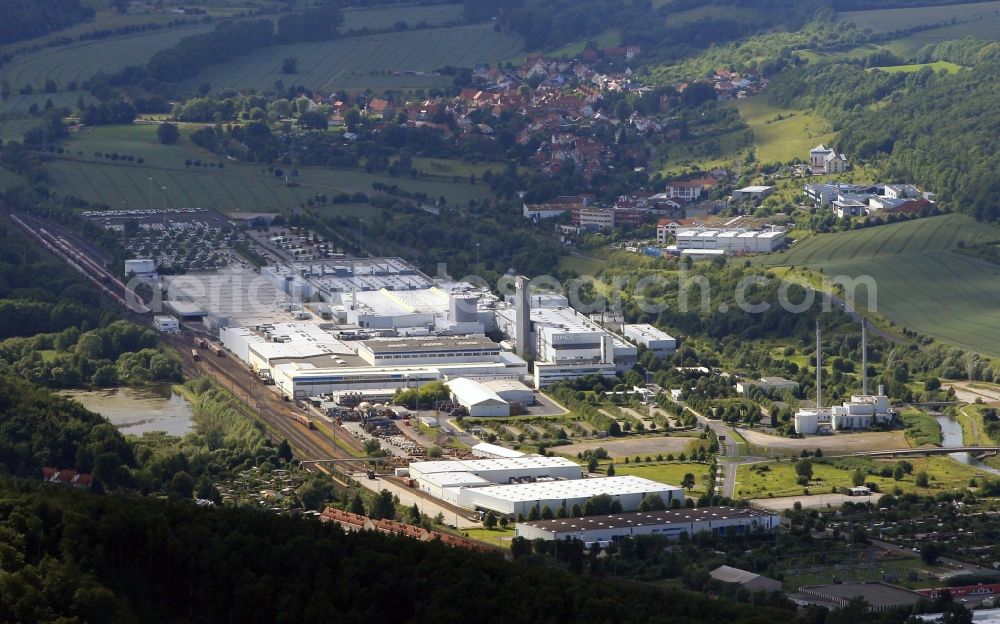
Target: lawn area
(902, 269)
(865, 569)
(400, 60)
(892, 20)
(921, 428)
(937, 66)
(493, 537)
(778, 478)
(670, 473)
(704, 153)
(237, 186)
(8, 179)
(782, 134)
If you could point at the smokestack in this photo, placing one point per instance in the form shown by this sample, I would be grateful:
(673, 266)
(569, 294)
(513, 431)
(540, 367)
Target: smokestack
(522, 316)
(864, 356)
(607, 349)
(819, 368)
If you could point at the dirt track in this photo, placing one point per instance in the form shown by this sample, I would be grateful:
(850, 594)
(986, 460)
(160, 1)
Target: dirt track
(836, 443)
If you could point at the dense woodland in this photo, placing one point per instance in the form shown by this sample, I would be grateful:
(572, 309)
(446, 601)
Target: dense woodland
(24, 19)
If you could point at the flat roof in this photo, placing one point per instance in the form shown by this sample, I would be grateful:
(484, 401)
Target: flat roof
(575, 488)
(471, 392)
(496, 449)
(484, 465)
(647, 331)
(877, 595)
(754, 189)
(647, 518)
(436, 343)
(454, 479)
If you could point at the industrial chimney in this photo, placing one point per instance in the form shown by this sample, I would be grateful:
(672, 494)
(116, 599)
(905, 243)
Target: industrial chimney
(522, 316)
(864, 356)
(819, 368)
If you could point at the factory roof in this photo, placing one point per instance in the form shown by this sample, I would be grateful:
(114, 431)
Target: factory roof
(496, 450)
(878, 595)
(525, 462)
(243, 297)
(646, 518)
(502, 385)
(436, 343)
(469, 392)
(575, 488)
(648, 332)
(754, 189)
(308, 370)
(454, 479)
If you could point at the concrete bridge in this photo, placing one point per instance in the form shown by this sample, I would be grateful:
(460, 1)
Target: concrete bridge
(928, 450)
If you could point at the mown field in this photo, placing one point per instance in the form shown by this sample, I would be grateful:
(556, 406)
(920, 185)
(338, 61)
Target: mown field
(920, 281)
(891, 20)
(81, 61)
(368, 62)
(386, 17)
(781, 134)
(237, 186)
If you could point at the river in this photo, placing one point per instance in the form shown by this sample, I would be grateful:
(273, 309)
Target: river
(139, 410)
(951, 436)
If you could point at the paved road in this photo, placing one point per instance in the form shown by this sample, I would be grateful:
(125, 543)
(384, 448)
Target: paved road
(729, 457)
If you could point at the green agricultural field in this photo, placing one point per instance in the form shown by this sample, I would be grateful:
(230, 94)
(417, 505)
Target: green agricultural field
(919, 281)
(891, 20)
(14, 129)
(237, 186)
(369, 62)
(385, 17)
(81, 61)
(690, 16)
(984, 28)
(781, 134)
(951, 68)
(608, 39)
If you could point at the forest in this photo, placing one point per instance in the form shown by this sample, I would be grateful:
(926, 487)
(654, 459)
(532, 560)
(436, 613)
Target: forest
(24, 19)
(96, 558)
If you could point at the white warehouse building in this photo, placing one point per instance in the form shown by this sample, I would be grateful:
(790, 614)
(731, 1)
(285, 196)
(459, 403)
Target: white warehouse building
(476, 397)
(662, 344)
(501, 470)
(520, 498)
(730, 240)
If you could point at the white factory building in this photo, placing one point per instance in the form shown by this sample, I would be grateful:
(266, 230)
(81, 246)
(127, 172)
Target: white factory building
(662, 344)
(860, 413)
(671, 523)
(521, 498)
(503, 470)
(565, 343)
(478, 399)
(729, 240)
(489, 398)
(305, 360)
(166, 323)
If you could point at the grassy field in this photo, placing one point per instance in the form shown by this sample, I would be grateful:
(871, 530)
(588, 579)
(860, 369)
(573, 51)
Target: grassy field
(582, 265)
(778, 478)
(385, 17)
(368, 62)
(921, 428)
(891, 20)
(951, 68)
(238, 186)
(81, 61)
(781, 134)
(669, 473)
(607, 39)
(682, 18)
(919, 282)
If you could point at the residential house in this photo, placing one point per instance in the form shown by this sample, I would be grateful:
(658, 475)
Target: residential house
(823, 159)
(689, 190)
